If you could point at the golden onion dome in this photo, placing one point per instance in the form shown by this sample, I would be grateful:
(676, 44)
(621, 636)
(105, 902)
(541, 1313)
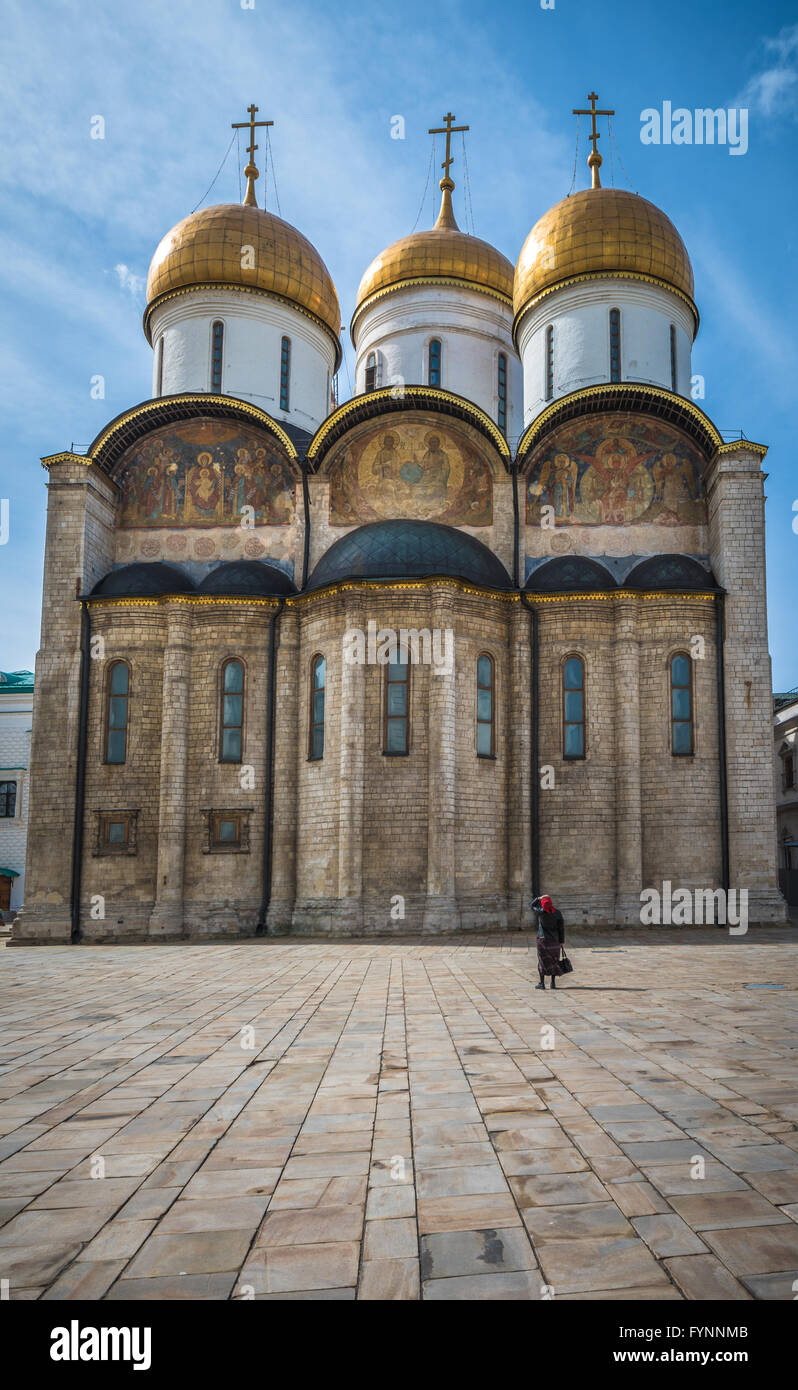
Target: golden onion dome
(205, 250)
(599, 231)
(442, 255)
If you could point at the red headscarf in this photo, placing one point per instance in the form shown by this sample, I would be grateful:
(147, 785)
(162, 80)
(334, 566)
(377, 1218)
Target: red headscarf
(547, 904)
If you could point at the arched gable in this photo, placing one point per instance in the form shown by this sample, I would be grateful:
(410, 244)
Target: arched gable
(418, 462)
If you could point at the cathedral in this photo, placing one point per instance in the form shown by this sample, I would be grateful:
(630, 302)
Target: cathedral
(492, 627)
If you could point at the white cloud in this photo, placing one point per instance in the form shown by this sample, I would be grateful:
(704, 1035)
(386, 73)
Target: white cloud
(134, 284)
(774, 90)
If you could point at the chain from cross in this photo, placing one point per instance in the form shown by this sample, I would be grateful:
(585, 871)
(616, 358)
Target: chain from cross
(594, 159)
(448, 130)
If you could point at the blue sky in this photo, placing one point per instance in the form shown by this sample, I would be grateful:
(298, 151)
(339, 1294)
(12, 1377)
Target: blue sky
(81, 217)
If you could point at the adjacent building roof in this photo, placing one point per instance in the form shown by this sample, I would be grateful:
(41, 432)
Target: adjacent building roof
(16, 682)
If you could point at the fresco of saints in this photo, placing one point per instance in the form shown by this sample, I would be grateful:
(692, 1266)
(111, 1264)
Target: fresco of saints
(435, 472)
(386, 468)
(204, 490)
(617, 485)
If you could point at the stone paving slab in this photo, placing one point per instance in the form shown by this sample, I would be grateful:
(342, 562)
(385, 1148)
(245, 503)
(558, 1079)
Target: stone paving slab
(333, 1120)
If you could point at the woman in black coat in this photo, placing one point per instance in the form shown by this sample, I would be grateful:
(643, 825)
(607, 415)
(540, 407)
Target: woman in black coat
(551, 939)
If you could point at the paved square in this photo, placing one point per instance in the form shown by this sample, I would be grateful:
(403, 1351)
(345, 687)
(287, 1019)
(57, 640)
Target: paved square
(307, 1119)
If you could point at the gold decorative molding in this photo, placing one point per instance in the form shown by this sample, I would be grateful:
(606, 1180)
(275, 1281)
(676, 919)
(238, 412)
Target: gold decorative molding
(420, 395)
(411, 281)
(540, 424)
(242, 289)
(569, 280)
(200, 399)
(364, 586)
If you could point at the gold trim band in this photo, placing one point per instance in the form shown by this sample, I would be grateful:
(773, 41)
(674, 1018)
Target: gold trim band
(420, 393)
(412, 280)
(605, 275)
(242, 289)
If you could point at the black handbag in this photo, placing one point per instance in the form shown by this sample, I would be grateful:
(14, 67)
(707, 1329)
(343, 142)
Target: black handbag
(565, 965)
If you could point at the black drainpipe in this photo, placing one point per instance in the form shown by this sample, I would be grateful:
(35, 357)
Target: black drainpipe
(269, 772)
(724, 803)
(534, 785)
(306, 502)
(80, 772)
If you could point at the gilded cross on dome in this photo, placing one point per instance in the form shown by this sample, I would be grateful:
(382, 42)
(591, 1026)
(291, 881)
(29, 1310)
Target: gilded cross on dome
(446, 215)
(594, 160)
(251, 171)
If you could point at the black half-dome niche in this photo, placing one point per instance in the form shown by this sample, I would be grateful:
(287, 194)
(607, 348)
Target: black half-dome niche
(569, 574)
(143, 580)
(671, 572)
(409, 550)
(246, 578)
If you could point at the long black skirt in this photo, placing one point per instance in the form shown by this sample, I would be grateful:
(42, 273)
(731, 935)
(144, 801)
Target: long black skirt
(549, 957)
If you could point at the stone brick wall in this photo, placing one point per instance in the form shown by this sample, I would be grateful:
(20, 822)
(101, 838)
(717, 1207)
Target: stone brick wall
(736, 503)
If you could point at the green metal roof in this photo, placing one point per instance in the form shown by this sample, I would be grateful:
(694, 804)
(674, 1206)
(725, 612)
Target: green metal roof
(16, 682)
(8, 873)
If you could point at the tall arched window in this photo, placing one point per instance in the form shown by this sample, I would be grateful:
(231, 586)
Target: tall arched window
(434, 363)
(116, 712)
(285, 372)
(502, 389)
(681, 705)
(615, 344)
(573, 707)
(396, 724)
(231, 712)
(159, 369)
(217, 344)
(486, 723)
(550, 362)
(318, 681)
(371, 372)
(674, 362)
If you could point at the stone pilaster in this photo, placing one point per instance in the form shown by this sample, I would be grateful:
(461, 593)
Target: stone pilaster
(78, 551)
(167, 914)
(628, 808)
(352, 785)
(287, 737)
(440, 912)
(517, 717)
(736, 505)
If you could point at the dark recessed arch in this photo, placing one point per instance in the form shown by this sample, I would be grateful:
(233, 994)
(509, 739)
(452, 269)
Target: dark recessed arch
(143, 580)
(244, 577)
(671, 572)
(570, 574)
(409, 550)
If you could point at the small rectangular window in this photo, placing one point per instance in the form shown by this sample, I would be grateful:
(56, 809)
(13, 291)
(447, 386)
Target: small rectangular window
(226, 832)
(115, 832)
(371, 372)
(8, 800)
(674, 364)
(397, 707)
